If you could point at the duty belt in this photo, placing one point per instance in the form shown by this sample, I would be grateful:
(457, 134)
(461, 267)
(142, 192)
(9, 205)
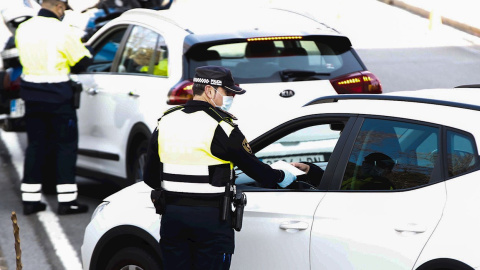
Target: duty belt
(190, 201)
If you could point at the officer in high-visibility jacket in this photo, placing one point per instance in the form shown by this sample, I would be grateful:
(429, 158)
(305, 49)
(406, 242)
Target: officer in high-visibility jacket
(49, 50)
(191, 156)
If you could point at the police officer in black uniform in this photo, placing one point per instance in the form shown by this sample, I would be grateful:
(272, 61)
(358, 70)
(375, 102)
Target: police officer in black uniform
(191, 156)
(49, 51)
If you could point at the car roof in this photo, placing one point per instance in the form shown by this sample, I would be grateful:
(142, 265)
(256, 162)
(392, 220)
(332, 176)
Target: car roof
(467, 97)
(208, 23)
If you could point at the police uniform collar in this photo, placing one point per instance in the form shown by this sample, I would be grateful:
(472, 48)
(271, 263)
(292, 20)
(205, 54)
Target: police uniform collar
(198, 103)
(47, 13)
(205, 106)
(229, 115)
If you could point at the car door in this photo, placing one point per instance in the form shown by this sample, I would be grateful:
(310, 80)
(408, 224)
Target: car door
(95, 112)
(277, 222)
(386, 201)
(128, 95)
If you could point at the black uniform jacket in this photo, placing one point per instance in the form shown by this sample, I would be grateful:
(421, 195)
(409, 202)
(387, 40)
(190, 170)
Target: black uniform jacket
(234, 148)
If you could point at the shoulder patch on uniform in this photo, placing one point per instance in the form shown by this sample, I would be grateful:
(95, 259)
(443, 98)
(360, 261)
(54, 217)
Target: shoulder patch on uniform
(170, 111)
(246, 146)
(221, 115)
(173, 109)
(229, 121)
(229, 115)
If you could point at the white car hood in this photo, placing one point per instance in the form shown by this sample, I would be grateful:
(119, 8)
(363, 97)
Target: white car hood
(138, 193)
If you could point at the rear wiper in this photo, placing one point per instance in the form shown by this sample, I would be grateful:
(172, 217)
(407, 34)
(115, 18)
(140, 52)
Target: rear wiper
(295, 73)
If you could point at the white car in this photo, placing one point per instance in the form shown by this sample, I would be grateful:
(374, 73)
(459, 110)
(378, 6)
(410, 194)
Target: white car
(426, 218)
(145, 60)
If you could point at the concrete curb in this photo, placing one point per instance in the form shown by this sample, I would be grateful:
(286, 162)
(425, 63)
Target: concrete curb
(426, 14)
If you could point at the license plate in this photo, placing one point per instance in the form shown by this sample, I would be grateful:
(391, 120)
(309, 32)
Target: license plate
(312, 158)
(17, 108)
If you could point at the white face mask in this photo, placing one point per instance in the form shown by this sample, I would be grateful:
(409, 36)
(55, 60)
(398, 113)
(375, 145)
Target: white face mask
(227, 101)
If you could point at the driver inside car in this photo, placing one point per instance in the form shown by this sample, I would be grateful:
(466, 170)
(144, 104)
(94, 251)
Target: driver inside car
(313, 173)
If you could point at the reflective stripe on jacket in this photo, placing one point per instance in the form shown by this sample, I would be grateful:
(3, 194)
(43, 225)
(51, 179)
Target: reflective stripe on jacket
(184, 147)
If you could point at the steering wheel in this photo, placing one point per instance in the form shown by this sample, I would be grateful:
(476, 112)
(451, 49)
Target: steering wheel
(299, 185)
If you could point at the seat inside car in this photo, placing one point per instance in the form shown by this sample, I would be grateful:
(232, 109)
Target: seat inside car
(261, 59)
(208, 57)
(294, 58)
(260, 49)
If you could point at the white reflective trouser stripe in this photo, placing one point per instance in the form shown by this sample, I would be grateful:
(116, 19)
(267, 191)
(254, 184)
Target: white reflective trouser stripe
(191, 187)
(67, 197)
(63, 188)
(200, 170)
(67, 192)
(31, 192)
(31, 187)
(31, 197)
(46, 78)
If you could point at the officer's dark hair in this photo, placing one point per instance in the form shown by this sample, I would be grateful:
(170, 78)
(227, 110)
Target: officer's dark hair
(51, 2)
(198, 88)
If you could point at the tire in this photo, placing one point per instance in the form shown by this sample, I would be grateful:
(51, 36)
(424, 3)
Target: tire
(137, 161)
(133, 258)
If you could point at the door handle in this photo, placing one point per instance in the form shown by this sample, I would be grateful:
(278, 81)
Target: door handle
(294, 225)
(92, 91)
(133, 94)
(410, 227)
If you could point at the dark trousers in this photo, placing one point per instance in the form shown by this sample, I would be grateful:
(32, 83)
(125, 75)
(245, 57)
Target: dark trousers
(51, 125)
(194, 238)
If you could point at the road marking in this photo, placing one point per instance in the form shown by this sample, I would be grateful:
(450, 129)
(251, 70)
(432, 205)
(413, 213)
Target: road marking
(63, 248)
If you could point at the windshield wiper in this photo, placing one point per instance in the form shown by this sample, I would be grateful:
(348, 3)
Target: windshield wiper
(286, 74)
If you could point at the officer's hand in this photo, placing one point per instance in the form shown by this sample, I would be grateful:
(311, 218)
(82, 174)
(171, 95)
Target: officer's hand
(288, 179)
(301, 166)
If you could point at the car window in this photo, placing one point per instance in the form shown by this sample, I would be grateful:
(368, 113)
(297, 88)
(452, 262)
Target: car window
(105, 52)
(462, 156)
(145, 52)
(391, 155)
(313, 144)
(267, 60)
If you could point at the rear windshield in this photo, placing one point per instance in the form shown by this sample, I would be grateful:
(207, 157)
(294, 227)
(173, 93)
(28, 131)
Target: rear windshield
(308, 58)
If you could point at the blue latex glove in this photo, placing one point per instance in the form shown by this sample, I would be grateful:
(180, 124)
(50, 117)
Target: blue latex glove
(288, 179)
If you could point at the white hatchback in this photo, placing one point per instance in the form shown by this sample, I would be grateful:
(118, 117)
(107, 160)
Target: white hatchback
(145, 60)
(414, 206)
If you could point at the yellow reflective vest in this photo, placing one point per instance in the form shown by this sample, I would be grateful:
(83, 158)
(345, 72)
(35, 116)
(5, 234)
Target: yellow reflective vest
(184, 148)
(47, 49)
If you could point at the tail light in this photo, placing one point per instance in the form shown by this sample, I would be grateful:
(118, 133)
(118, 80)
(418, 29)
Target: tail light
(10, 84)
(357, 83)
(180, 93)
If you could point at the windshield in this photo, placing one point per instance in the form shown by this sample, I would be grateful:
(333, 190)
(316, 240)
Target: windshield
(307, 58)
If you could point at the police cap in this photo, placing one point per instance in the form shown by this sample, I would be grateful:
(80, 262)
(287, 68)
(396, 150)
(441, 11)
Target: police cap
(217, 76)
(66, 3)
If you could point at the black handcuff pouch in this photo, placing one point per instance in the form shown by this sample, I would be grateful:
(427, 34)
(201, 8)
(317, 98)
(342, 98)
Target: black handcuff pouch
(158, 199)
(77, 90)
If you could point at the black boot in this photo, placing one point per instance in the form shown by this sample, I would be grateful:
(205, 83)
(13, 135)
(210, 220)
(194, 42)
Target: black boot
(33, 207)
(71, 208)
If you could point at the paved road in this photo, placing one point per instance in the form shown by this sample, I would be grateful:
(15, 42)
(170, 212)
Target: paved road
(400, 49)
(394, 44)
(48, 241)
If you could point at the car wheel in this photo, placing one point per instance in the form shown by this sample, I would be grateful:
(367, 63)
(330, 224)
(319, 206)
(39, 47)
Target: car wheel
(133, 258)
(137, 162)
